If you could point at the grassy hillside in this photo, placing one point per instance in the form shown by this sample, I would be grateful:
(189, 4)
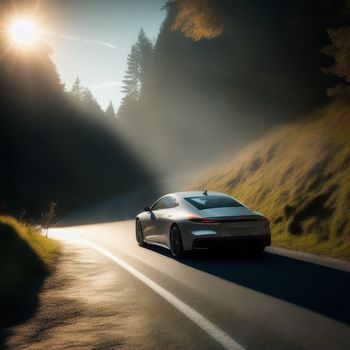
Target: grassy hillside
(26, 257)
(299, 177)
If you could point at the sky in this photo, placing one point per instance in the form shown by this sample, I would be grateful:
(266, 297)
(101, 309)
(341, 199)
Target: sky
(92, 38)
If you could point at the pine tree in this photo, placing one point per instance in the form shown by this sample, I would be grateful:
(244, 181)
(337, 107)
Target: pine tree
(84, 97)
(77, 90)
(110, 111)
(131, 81)
(139, 64)
(145, 48)
(89, 102)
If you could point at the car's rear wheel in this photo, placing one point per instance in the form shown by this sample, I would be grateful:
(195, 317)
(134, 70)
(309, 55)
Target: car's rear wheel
(176, 246)
(139, 234)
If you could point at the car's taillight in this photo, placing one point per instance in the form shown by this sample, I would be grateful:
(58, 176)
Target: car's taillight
(198, 220)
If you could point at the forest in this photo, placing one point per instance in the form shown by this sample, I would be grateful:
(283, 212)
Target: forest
(224, 73)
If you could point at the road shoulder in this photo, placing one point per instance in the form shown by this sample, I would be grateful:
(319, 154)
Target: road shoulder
(325, 261)
(91, 303)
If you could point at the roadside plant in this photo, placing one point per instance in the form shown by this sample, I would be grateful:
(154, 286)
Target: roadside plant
(47, 217)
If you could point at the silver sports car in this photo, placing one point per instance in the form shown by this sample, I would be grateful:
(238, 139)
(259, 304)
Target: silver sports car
(185, 221)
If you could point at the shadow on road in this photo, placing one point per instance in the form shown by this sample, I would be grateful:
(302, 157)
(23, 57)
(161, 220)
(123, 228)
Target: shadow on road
(22, 275)
(19, 309)
(317, 288)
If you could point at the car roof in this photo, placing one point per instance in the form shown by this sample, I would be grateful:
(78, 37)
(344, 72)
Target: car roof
(186, 194)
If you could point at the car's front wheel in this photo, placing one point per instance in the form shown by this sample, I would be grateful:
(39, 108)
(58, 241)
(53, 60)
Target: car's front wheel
(176, 246)
(139, 234)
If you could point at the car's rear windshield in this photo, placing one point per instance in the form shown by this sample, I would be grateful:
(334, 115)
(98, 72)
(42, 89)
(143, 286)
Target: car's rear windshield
(209, 202)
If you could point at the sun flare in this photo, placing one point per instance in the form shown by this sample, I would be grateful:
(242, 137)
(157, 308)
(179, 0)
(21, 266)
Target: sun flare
(24, 32)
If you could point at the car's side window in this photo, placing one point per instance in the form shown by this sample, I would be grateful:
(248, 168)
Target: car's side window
(163, 203)
(156, 205)
(174, 204)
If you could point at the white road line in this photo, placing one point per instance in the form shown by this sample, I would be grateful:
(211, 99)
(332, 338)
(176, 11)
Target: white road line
(220, 336)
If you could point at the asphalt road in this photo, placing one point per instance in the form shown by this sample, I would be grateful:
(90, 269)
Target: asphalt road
(109, 293)
(213, 302)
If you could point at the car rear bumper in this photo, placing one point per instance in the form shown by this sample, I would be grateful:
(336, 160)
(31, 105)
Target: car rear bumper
(232, 242)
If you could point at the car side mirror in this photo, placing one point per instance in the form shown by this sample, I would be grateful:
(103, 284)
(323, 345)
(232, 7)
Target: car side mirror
(147, 209)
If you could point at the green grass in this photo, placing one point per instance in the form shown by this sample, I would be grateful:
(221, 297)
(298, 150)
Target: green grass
(26, 257)
(299, 177)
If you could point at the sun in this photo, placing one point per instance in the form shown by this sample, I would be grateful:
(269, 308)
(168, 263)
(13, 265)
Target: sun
(24, 32)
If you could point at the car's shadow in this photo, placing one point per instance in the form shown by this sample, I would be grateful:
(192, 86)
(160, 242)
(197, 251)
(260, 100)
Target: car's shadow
(318, 288)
